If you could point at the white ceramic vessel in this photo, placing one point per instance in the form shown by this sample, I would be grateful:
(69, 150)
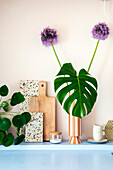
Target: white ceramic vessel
(97, 132)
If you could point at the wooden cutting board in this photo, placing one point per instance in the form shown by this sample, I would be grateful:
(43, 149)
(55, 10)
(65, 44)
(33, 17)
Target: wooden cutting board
(47, 105)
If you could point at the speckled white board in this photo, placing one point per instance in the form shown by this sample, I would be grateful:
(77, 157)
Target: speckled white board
(34, 129)
(28, 88)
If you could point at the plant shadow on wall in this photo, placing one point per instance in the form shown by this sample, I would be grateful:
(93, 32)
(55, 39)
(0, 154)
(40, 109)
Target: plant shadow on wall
(75, 89)
(18, 121)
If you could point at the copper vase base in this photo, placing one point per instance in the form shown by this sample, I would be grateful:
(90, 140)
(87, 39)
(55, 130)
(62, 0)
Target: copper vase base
(75, 140)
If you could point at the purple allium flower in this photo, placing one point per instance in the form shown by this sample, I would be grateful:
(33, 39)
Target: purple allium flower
(49, 35)
(100, 31)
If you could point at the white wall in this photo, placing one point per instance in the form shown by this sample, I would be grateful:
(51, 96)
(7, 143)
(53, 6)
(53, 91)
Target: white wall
(22, 55)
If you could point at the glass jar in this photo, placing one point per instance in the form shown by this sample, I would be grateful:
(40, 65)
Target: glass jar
(56, 137)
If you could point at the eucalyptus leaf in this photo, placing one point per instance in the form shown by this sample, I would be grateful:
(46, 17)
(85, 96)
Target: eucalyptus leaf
(5, 124)
(1, 137)
(4, 90)
(82, 89)
(27, 116)
(5, 105)
(17, 98)
(19, 139)
(19, 121)
(8, 140)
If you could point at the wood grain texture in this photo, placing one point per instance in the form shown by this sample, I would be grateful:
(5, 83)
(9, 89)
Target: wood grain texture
(47, 105)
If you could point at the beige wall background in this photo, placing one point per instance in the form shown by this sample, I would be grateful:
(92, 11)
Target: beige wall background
(22, 55)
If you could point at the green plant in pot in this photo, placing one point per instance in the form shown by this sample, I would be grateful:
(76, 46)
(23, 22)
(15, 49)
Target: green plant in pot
(72, 88)
(18, 120)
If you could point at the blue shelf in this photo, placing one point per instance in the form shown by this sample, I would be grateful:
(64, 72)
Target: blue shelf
(62, 146)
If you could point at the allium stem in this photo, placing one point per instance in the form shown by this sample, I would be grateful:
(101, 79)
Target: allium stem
(56, 54)
(93, 55)
(57, 57)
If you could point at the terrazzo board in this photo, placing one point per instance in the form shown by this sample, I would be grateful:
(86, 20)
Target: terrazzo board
(34, 129)
(28, 88)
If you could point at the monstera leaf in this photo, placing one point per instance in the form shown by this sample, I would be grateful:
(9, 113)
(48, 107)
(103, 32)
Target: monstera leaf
(82, 89)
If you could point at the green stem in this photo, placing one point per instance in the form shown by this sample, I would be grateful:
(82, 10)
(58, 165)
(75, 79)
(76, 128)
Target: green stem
(1, 99)
(15, 129)
(10, 112)
(8, 100)
(57, 57)
(56, 54)
(93, 56)
(13, 112)
(6, 113)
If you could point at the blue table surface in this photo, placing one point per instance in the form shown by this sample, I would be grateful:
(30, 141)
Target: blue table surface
(56, 159)
(62, 146)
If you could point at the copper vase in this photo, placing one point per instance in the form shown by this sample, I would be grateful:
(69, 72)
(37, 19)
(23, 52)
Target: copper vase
(74, 129)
